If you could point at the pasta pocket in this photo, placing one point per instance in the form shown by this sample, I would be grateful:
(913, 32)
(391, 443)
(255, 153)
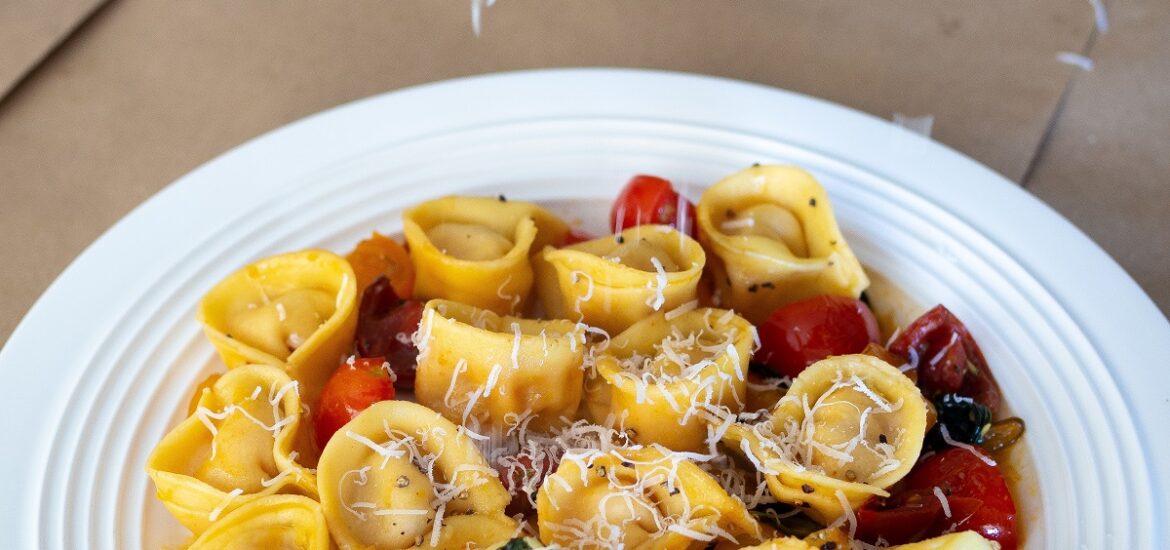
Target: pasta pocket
(399, 475)
(294, 310)
(775, 241)
(242, 442)
(474, 364)
(614, 281)
(849, 427)
(475, 250)
(638, 499)
(663, 379)
(288, 522)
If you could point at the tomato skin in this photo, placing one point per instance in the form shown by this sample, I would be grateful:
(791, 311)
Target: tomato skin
(516, 471)
(802, 333)
(976, 492)
(352, 389)
(651, 200)
(385, 324)
(949, 359)
(380, 255)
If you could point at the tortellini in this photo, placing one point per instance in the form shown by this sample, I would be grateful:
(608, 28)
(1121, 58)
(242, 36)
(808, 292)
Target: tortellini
(477, 367)
(814, 541)
(296, 310)
(287, 522)
(614, 281)
(242, 442)
(775, 241)
(399, 475)
(660, 378)
(964, 540)
(638, 499)
(475, 250)
(849, 427)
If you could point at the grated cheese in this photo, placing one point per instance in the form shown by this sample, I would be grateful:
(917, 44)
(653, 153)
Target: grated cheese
(942, 499)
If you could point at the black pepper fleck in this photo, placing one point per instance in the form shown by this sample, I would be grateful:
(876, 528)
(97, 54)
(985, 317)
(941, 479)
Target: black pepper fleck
(755, 165)
(806, 488)
(850, 475)
(601, 472)
(768, 285)
(812, 202)
(730, 214)
(829, 546)
(503, 198)
(882, 438)
(674, 491)
(753, 288)
(627, 464)
(620, 239)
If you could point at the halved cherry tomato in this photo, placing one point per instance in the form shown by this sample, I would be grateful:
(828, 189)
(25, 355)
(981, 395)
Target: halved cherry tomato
(976, 494)
(352, 389)
(802, 333)
(651, 200)
(380, 255)
(385, 324)
(947, 357)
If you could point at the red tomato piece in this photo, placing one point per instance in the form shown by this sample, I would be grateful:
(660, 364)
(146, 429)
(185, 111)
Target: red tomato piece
(651, 200)
(385, 324)
(976, 493)
(352, 389)
(802, 333)
(948, 358)
(523, 473)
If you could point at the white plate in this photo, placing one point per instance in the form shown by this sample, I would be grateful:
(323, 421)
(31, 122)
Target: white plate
(104, 363)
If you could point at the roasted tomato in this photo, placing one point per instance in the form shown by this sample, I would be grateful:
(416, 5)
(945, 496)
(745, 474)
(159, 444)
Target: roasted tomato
(385, 325)
(378, 256)
(976, 496)
(523, 473)
(947, 358)
(354, 386)
(651, 200)
(802, 333)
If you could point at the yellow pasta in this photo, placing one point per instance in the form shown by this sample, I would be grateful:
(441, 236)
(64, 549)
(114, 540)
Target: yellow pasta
(849, 427)
(477, 367)
(242, 442)
(475, 250)
(296, 310)
(814, 541)
(399, 475)
(660, 379)
(774, 241)
(614, 281)
(638, 499)
(286, 522)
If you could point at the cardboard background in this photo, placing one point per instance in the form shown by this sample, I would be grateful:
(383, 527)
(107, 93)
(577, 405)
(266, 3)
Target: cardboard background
(148, 89)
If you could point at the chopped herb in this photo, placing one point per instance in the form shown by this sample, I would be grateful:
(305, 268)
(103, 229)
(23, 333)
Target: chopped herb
(516, 544)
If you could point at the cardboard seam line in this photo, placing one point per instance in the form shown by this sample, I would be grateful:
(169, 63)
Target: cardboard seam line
(1046, 137)
(67, 37)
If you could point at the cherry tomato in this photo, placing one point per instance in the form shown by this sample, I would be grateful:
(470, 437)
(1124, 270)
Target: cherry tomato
(651, 200)
(385, 324)
(802, 333)
(380, 255)
(975, 491)
(947, 358)
(352, 388)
